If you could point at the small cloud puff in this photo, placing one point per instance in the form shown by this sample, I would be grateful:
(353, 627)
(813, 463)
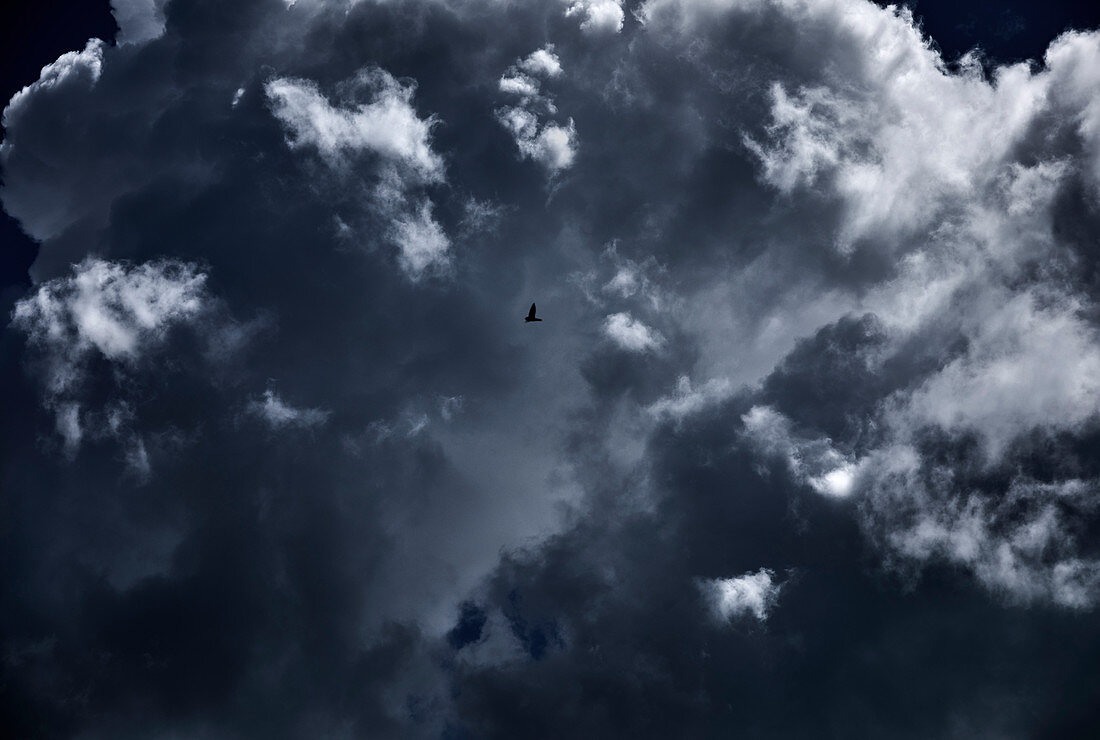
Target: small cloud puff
(598, 16)
(751, 594)
(631, 334)
(278, 414)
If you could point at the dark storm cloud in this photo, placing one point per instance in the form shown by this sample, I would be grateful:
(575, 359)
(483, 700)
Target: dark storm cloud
(787, 455)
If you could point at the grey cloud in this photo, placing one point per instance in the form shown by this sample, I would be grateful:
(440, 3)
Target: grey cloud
(440, 521)
(138, 20)
(278, 413)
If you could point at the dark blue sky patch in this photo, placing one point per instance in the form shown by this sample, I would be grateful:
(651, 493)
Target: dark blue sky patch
(468, 629)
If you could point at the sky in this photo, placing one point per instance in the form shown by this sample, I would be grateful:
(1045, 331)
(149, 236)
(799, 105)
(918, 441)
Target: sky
(805, 444)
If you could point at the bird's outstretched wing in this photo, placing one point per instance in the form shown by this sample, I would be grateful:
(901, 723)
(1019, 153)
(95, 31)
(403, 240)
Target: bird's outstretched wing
(531, 314)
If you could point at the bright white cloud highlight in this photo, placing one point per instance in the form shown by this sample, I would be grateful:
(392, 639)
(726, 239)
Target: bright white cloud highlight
(598, 16)
(630, 333)
(114, 310)
(751, 594)
(423, 244)
(553, 145)
(387, 125)
(542, 62)
(813, 461)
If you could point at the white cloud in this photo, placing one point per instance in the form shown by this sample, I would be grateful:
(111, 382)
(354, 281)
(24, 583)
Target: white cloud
(116, 311)
(521, 85)
(138, 20)
(687, 400)
(552, 145)
(108, 308)
(619, 279)
(625, 282)
(449, 407)
(1008, 382)
(813, 461)
(71, 68)
(1073, 81)
(752, 594)
(137, 459)
(598, 16)
(630, 333)
(423, 244)
(387, 125)
(45, 185)
(279, 414)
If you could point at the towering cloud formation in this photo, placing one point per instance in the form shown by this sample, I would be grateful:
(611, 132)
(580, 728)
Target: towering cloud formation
(805, 444)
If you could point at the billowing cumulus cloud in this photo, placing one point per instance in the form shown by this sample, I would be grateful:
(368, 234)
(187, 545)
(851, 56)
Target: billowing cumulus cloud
(631, 334)
(281, 457)
(42, 211)
(106, 312)
(387, 125)
(553, 145)
(686, 400)
(598, 16)
(71, 68)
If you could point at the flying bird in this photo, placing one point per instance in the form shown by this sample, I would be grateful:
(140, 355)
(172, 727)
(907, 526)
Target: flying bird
(531, 314)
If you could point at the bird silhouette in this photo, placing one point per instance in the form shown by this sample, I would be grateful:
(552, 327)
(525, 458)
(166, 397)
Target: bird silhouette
(531, 314)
